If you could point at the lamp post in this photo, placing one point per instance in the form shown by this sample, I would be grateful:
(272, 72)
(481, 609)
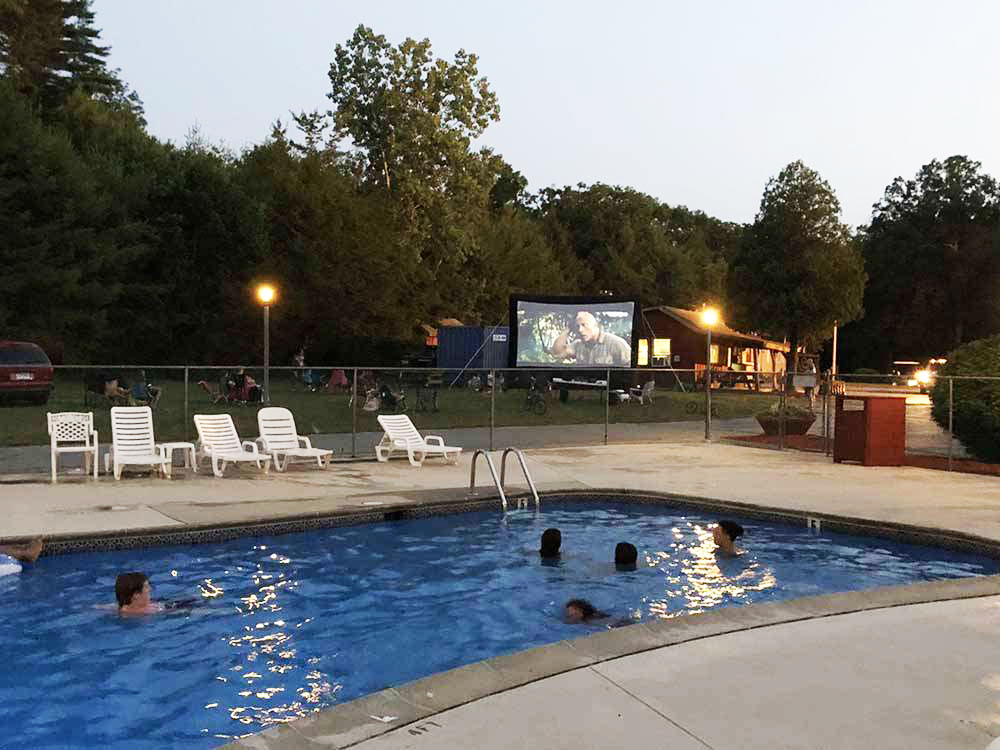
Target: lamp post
(265, 295)
(710, 318)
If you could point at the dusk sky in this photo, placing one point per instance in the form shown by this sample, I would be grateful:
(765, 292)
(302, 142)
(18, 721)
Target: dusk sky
(697, 104)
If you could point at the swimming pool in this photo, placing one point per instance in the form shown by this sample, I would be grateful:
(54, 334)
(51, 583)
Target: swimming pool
(294, 623)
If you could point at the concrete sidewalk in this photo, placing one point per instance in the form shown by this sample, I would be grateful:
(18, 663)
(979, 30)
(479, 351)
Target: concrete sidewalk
(799, 481)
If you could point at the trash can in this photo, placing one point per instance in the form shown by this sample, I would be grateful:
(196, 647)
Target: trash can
(870, 430)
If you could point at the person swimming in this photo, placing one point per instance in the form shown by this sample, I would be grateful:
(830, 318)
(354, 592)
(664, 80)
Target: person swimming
(133, 592)
(625, 556)
(725, 535)
(580, 610)
(551, 543)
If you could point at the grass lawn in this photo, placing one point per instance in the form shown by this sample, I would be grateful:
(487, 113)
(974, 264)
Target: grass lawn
(318, 413)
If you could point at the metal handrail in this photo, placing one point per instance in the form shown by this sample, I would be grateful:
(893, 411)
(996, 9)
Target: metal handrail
(524, 467)
(493, 470)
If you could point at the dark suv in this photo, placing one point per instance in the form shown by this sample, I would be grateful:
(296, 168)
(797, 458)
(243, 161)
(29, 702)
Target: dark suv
(25, 372)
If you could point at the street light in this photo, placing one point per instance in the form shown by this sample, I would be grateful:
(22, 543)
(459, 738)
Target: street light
(709, 318)
(265, 295)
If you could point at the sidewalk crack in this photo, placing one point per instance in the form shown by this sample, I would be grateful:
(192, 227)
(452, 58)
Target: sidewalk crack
(656, 711)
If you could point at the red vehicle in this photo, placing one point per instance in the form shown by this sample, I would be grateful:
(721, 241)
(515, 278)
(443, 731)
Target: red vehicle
(25, 372)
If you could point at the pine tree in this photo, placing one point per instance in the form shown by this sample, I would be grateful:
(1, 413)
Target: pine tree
(49, 48)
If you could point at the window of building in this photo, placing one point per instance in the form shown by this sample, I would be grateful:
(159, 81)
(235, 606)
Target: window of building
(715, 354)
(661, 347)
(642, 356)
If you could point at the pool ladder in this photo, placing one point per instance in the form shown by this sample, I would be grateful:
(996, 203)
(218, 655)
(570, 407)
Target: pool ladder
(499, 481)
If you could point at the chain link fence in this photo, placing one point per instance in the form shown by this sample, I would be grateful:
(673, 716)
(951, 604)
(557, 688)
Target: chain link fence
(337, 407)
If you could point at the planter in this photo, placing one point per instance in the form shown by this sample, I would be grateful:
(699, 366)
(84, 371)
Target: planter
(793, 425)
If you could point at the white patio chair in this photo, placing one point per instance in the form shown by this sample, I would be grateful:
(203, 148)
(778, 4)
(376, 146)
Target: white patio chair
(132, 442)
(73, 432)
(643, 393)
(400, 434)
(278, 437)
(219, 441)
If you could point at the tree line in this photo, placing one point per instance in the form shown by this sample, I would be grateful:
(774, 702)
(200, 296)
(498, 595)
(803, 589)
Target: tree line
(378, 212)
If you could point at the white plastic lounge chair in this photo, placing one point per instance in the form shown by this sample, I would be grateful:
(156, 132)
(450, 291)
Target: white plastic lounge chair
(219, 441)
(400, 434)
(73, 432)
(644, 393)
(132, 442)
(279, 438)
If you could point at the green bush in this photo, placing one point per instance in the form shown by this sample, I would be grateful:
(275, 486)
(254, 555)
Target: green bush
(977, 402)
(791, 411)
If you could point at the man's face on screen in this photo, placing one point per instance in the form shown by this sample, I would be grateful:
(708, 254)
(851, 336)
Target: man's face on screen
(586, 326)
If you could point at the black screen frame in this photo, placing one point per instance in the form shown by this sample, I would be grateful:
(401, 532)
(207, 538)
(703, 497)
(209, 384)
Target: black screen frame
(582, 300)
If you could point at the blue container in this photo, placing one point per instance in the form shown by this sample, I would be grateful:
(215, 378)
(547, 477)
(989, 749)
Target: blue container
(459, 347)
(495, 346)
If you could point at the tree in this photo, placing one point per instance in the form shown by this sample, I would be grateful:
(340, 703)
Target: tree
(933, 254)
(618, 240)
(49, 48)
(409, 114)
(798, 269)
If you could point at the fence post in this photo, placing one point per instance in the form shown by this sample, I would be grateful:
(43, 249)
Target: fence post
(493, 403)
(951, 417)
(782, 402)
(354, 414)
(827, 390)
(607, 403)
(186, 428)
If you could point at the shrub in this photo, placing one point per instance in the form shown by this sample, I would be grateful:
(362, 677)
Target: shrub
(791, 411)
(977, 402)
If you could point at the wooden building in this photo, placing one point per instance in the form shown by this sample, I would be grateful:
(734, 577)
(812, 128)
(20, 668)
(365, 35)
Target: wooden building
(670, 337)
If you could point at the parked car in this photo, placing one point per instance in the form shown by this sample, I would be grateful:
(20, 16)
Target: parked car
(25, 372)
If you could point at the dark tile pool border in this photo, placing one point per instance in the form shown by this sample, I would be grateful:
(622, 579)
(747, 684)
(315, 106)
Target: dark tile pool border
(347, 724)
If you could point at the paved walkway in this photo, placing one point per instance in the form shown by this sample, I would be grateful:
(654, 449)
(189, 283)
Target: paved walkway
(919, 676)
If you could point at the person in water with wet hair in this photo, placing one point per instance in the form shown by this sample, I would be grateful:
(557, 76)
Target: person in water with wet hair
(625, 556)
(551, 543)
(133, 592)
(725, 535)
(580, 610)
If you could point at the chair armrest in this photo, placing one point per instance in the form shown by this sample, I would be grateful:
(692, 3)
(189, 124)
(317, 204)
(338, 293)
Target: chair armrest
(159, 450)
(434, 439)
(260, 441)
(250, 445)
(93, 434)
(305, 442)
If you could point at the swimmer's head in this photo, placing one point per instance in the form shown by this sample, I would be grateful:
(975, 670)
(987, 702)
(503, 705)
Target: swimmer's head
(625, 556)
(551, 542)
(579, 610)
(131, 589)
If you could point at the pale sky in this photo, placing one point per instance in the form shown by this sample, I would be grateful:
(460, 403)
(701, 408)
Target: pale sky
(695, 103)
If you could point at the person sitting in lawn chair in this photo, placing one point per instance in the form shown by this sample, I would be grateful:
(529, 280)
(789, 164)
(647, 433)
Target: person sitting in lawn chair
(111, 387)
(389, 401)
(143, 393)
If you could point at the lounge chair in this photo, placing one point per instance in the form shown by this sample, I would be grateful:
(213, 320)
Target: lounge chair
(279, 438)
(73, 432)
(400, 434)
(132, 442)
(219, 441)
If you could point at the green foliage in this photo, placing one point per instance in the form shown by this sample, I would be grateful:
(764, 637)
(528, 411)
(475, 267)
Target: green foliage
(976, 410)
(49, 49)
(791, 411)
(933, 253)
(54, 274)
(618, 240)
(798, 270)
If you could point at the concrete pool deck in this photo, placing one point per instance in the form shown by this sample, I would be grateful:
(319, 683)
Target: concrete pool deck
(796, 675)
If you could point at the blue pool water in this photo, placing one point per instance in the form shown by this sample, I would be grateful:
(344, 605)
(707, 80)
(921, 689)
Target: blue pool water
(294, 623)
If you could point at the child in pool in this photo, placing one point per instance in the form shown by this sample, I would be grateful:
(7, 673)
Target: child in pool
(133, 592)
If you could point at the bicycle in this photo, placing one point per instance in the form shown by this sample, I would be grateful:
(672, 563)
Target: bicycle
(535, 400)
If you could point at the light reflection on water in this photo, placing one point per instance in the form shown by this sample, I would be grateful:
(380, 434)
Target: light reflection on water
(292, 624)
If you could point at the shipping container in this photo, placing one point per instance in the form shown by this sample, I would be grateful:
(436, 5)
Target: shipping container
(495, 347)
(459, 347)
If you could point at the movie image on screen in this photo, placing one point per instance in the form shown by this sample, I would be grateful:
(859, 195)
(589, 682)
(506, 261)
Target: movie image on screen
(573, 332)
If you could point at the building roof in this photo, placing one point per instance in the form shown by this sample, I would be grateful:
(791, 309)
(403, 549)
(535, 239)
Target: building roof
(691, 319)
